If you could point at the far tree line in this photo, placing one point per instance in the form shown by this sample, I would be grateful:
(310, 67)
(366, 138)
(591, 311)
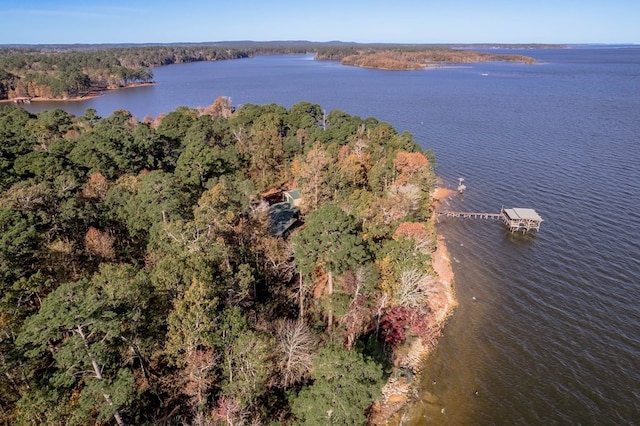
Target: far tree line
(70, 71)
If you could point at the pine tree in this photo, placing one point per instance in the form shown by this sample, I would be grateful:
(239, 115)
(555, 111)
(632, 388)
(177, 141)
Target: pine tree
(79, 330)
(345, 384)
(329, 241)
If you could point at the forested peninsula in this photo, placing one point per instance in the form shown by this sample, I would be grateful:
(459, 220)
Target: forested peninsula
(213, 266)
(76, 71)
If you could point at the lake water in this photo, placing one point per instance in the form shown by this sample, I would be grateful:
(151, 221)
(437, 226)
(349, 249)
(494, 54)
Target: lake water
(553, 334)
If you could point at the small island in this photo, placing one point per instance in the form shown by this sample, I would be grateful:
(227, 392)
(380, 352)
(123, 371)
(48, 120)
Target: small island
(415, 58)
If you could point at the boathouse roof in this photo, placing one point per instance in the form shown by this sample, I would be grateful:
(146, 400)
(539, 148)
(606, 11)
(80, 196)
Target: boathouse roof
(522, 214)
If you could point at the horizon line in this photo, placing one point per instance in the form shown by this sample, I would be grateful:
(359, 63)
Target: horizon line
(317, 42)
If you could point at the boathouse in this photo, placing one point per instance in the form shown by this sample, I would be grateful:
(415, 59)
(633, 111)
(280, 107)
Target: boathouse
(519, 219)
(516, 219)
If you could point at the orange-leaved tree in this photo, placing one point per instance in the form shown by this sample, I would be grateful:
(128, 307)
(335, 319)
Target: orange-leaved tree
(408, 165)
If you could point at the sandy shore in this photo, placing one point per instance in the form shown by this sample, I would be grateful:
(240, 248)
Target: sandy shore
(397, 393)
(40, 99)
(441, 194)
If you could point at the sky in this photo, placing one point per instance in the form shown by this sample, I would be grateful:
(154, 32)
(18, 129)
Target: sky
(363, 21)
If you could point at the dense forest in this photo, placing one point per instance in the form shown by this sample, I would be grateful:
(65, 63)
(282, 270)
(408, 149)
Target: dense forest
(64, 72)
(70, 73)
(142, 281)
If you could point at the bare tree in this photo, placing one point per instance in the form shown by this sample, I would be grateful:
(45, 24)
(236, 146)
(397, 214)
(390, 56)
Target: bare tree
(296, 345)
(358, 313)
(198, 379)
(413, 288)
(230, 412)
(356, 319)
(278, 257)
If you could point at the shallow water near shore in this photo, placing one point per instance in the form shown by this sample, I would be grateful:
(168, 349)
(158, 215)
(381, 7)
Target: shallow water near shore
(553, 334)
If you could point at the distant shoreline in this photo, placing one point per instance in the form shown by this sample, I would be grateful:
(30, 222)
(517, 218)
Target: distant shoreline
(90, 95)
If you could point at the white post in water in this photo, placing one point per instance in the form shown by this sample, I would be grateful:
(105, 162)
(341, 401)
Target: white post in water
(461, 186)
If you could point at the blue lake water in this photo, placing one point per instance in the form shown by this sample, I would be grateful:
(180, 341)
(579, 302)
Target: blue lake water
(553, 334)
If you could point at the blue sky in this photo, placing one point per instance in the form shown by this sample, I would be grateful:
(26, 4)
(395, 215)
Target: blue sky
(365, 21)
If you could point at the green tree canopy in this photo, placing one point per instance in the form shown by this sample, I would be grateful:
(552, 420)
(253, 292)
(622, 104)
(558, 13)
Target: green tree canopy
(80, 328)
(19, 239)
(330, 240)
(345, 383)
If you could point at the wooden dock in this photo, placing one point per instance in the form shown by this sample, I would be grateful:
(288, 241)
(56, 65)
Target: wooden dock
(470, 215)
(22, 100)
(516, 219)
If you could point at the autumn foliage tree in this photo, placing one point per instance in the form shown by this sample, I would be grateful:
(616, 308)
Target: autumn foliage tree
(220, 108)
(408, 165)
(99, 243)
(393, 326)
(418, 232)
(96, 186)
(354, 164)
(415, 58)
(311, 174)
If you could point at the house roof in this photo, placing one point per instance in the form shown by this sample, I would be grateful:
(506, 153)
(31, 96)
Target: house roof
(294, 194)
(281, 218)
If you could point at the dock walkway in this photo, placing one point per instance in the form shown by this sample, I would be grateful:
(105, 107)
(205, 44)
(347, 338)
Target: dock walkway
(472, 215)
(517, 219)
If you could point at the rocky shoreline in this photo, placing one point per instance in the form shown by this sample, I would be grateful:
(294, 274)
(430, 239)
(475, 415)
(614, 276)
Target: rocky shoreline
(399, 392)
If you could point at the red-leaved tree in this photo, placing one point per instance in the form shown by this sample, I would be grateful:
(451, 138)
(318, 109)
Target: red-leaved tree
(393, 326)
